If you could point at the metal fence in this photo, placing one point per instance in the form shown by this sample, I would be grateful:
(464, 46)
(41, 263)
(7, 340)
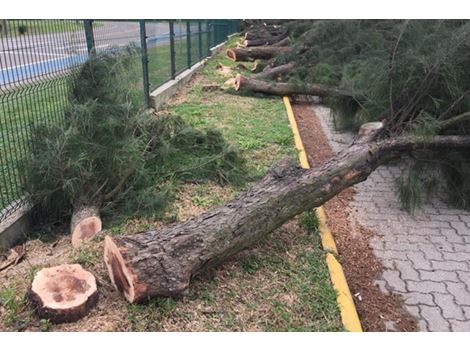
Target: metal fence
(37, 56)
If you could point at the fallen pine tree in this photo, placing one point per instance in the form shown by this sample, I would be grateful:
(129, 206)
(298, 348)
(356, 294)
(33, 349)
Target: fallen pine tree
(367, 70)
(162, 262)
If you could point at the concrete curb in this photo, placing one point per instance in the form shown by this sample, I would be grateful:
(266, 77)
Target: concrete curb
(349, 315)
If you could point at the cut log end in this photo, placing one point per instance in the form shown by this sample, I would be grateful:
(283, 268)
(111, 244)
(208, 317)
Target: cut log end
(238, 81)
(231, 54)
(85, 223)
(64, 293)
(121, 275)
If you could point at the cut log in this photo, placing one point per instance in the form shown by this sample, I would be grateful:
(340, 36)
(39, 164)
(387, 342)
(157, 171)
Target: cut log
(274, 72)
(85, 224)
(64, 293)
(257, 52)
(162, 262)
(286, 89)
(284, 42)
(264, 33)
(264, 41)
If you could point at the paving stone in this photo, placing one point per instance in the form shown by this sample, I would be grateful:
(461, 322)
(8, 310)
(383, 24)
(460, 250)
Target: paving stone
(434, 318)
(428, 252)
(438, 275)
(399, 246)
(419, 261)
(462, 248)
(422, 325)
(413, 298)
(452, 236)
(450, 310)
(393, 280)
(449, 265)
(406, 269)
(464, 277)
(413, 310)
(441, 243)
(466, 311)
(426, 286)
(462, 326)
(376, 243)
(390, 255)
(457, 256)
(461, 228)
(460, 292)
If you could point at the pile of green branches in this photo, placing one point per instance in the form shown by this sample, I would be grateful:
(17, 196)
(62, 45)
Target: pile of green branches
(110, 153)
(411, 74)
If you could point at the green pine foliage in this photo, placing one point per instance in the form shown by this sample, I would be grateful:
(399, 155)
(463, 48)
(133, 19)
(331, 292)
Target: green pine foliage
(109, 152)
(411, 74)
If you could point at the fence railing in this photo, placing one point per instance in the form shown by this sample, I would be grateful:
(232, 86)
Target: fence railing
(37, 56)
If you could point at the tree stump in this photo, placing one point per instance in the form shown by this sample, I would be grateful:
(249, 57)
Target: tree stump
(64, 293)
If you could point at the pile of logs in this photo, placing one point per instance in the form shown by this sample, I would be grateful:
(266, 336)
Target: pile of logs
(261, 44)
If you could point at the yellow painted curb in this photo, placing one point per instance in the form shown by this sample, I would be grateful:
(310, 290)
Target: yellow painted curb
(349, 315)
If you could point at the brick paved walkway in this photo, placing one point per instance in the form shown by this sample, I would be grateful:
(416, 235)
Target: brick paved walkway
(426, 258)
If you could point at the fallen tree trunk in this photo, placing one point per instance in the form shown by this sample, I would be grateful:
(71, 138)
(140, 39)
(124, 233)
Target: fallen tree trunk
(162, 262)
(284, 42)
(286, 89)
(257, 52)
(85, 223)
(273, 72)
(264, 33)
(264, 41)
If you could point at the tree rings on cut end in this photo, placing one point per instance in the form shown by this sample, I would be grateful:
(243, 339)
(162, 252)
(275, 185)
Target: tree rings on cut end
(64, 293)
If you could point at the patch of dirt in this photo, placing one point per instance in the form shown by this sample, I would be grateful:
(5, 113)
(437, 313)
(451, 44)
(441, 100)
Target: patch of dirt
(360, 264)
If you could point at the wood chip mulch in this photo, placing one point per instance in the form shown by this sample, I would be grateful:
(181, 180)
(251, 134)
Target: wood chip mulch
(359, 263)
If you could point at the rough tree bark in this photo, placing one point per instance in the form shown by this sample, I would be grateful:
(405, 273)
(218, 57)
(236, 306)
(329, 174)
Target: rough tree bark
(284, 42)
(162, 262)
(273, 72)
(264, 41)
(256, 52)
(286, 89)
(264, 32)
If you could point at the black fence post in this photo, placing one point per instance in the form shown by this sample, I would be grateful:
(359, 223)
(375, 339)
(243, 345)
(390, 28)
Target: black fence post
(208, 34)
(188, 41)
(199, 42)
(90, 38)
(172, 50)
(145, 62)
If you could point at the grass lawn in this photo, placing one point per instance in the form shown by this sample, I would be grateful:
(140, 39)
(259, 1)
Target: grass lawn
(280, 284)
